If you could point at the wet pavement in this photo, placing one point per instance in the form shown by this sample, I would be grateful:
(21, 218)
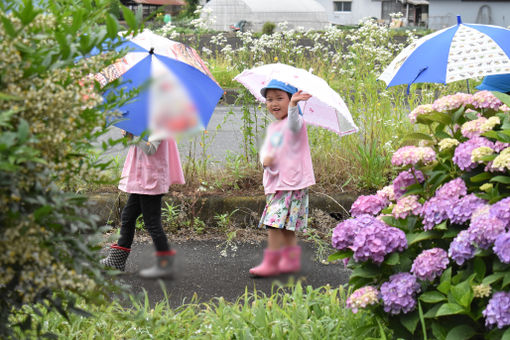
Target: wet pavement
(201, 269)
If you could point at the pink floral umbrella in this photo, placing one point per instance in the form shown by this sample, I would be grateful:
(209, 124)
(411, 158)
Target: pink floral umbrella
(325, 109)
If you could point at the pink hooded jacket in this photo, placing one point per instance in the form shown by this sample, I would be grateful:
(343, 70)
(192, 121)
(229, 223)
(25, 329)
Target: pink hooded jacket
(152, 174)
(292, 167)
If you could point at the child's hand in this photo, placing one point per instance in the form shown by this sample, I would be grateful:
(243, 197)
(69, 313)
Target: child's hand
(299, 96)
(267, 161)
(126, 134)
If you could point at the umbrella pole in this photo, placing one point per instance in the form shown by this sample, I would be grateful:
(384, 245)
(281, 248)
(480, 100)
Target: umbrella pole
(467, 82)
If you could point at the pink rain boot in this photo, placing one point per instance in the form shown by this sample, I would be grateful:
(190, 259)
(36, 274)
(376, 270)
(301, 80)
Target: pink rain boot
(269, 265)
(290, 261)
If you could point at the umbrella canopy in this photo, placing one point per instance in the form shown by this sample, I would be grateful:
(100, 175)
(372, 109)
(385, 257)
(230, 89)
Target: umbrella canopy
(180, 95)
(459, 52)
(325, 108)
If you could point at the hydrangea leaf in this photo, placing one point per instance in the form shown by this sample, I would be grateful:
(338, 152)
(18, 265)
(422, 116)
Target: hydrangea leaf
(480, 268)
(501, 179)
(506, 335)
(392, 260)
(432, 297)
(418, 136)
(480, 177)
(493, 278)
(463, 293)
(426, 235)
(339, 255)
(505, 98)
(410, 321)
(431, 313)
(462, 332)
(450, 309)
(446, 281)
(506, 280)
(457, 114)
(366, 272)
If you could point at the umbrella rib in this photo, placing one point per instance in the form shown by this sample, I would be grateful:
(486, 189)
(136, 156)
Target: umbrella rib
(419, 73)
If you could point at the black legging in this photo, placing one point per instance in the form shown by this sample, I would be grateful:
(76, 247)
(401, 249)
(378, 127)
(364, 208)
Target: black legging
(150, 207)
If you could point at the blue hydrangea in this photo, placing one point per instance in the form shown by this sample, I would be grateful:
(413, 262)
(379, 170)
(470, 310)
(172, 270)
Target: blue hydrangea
(399, 293)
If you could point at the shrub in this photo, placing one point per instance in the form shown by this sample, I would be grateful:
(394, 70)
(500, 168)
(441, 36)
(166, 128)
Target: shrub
(268, 27)
(451, 278)
(49, 117)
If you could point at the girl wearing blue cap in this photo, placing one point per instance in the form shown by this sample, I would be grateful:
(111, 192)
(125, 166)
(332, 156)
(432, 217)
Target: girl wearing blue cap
(288, 172)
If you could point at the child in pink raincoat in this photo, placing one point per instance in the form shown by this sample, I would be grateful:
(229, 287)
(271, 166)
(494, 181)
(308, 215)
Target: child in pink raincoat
(149, 170)
(288, 172)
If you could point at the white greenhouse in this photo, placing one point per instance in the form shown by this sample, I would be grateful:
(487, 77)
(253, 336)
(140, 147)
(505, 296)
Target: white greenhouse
(222, 14)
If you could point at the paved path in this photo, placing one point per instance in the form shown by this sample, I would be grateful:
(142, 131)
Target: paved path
(200, 269)
(224, 136)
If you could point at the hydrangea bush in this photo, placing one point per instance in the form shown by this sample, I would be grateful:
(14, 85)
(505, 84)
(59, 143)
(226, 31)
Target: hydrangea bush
(430, 253)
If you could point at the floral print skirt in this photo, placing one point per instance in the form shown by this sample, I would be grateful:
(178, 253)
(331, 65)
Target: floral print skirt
(286, 210)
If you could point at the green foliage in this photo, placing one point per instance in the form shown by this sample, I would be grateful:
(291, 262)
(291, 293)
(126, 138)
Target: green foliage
(289, 313)
(451, 305)
(49, 117)
(268, 27)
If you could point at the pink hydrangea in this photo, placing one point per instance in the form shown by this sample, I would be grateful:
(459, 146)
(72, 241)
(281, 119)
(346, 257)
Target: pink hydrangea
(387, 193)
(420, 110)
(406, 206)
(452, 102)
(486, 100)
(454, 188)
(412, 155)
(368, 204)
(362, 297)
(473, 128)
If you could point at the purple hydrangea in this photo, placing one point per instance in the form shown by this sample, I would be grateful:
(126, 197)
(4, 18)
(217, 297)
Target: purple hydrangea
(430, 264)
(462, 155)
(454, 188)
(501, 210)
(500, 146)
(362, 297)
(377, 240)
(399, 293)
(502, 247)
(368, 204)
(462, 211)
(497, 312)
(461, 248)
(484, 229)
(405, 179)
(344, 234)
(435, 211)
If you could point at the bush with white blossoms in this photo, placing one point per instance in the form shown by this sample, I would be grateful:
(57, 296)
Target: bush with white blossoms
(431, 251)
(49, 119)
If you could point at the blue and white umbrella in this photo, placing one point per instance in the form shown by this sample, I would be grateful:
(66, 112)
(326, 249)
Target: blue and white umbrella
(462, 51)
(180, 95)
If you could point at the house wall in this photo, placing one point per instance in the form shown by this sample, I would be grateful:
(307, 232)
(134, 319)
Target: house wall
(359, 9)
(443, 13)
(308, 14)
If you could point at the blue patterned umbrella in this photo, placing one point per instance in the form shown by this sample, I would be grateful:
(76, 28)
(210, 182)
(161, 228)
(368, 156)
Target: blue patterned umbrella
(462, 51)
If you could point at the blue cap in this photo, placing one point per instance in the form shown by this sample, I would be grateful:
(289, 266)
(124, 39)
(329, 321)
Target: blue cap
(496, 82)
(278, 85)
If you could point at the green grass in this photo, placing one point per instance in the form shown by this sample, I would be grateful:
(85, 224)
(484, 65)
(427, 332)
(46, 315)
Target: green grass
(289, 313)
